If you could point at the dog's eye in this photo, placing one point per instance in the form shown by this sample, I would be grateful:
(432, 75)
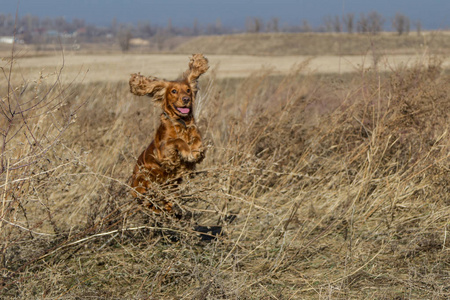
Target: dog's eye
(188, 90)
(174, 91)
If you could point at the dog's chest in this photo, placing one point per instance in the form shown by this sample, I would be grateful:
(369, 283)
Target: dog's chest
(184, 132)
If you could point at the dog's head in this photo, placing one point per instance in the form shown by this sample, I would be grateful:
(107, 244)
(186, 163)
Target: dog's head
(176, 97)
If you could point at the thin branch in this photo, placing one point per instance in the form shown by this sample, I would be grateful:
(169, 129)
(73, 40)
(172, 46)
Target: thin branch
(26, 229)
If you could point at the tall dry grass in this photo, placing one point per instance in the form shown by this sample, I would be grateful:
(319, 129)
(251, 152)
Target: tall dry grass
(326, 187)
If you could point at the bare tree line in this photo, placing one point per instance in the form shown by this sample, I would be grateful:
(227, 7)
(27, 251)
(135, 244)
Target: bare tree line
(32, 29)
(372, 22)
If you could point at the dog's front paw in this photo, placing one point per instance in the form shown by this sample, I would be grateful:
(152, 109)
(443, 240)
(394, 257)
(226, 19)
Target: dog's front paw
(170, 164)
(196, 156)
(199, 62)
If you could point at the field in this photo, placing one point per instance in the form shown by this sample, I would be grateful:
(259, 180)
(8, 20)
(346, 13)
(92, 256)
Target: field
(328, 172)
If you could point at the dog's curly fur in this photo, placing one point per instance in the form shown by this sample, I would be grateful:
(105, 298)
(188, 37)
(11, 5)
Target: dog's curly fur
(177, 146)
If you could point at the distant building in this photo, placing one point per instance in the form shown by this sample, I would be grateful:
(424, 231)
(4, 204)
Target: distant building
(52, 33)
(139, 42)
(6, 39)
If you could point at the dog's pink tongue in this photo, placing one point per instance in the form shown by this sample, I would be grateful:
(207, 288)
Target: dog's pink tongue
(183, 110)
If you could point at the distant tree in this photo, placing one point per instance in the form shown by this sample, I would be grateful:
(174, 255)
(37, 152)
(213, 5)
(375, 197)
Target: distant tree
(337, 25)
(418, 27)
(78, 23)
(144, 29)
(348, 21)
(114, 26)
(124, 36)
(8, 21)
(254, 24)
(2, 21)
(400, 23)
(30, 22)
(169, 28)
(249, 24)
(328, 23)
(195, 28)
(60, 24)
(375, 22)
(305, 26)
(218, 27)
(258, 24)
(363, 24)
(47, 23)
(160, 37)
(272, 25)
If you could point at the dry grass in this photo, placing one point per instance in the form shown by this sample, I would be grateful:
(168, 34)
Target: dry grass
(118, 67)
(316, 44)
(327, 187)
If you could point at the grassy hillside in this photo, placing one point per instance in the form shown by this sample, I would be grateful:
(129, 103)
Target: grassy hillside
(316, 44)
(279, 44)
(327, 187)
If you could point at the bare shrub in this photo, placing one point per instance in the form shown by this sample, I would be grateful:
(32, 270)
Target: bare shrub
(35, 116)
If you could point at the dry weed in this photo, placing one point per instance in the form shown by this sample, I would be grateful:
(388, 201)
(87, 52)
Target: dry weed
(325, 186)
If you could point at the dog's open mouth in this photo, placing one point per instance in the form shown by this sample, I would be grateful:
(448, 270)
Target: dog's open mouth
(183, 110)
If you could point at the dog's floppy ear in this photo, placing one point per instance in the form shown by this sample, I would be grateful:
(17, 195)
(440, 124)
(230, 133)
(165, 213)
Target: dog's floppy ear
(197, 66)
(150, 86)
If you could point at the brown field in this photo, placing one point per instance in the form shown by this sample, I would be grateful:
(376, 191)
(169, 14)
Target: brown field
(329, 174)
(281, 44)
(118, 67)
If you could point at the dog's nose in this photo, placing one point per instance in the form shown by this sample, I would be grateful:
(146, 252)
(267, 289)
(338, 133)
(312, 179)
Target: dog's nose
(186, 100)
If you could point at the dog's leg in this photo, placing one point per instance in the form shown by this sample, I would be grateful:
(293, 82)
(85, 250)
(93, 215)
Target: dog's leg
(196, 147)
(173, 152)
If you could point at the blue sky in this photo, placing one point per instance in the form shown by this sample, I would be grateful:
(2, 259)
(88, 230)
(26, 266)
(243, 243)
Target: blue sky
(433, 14)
